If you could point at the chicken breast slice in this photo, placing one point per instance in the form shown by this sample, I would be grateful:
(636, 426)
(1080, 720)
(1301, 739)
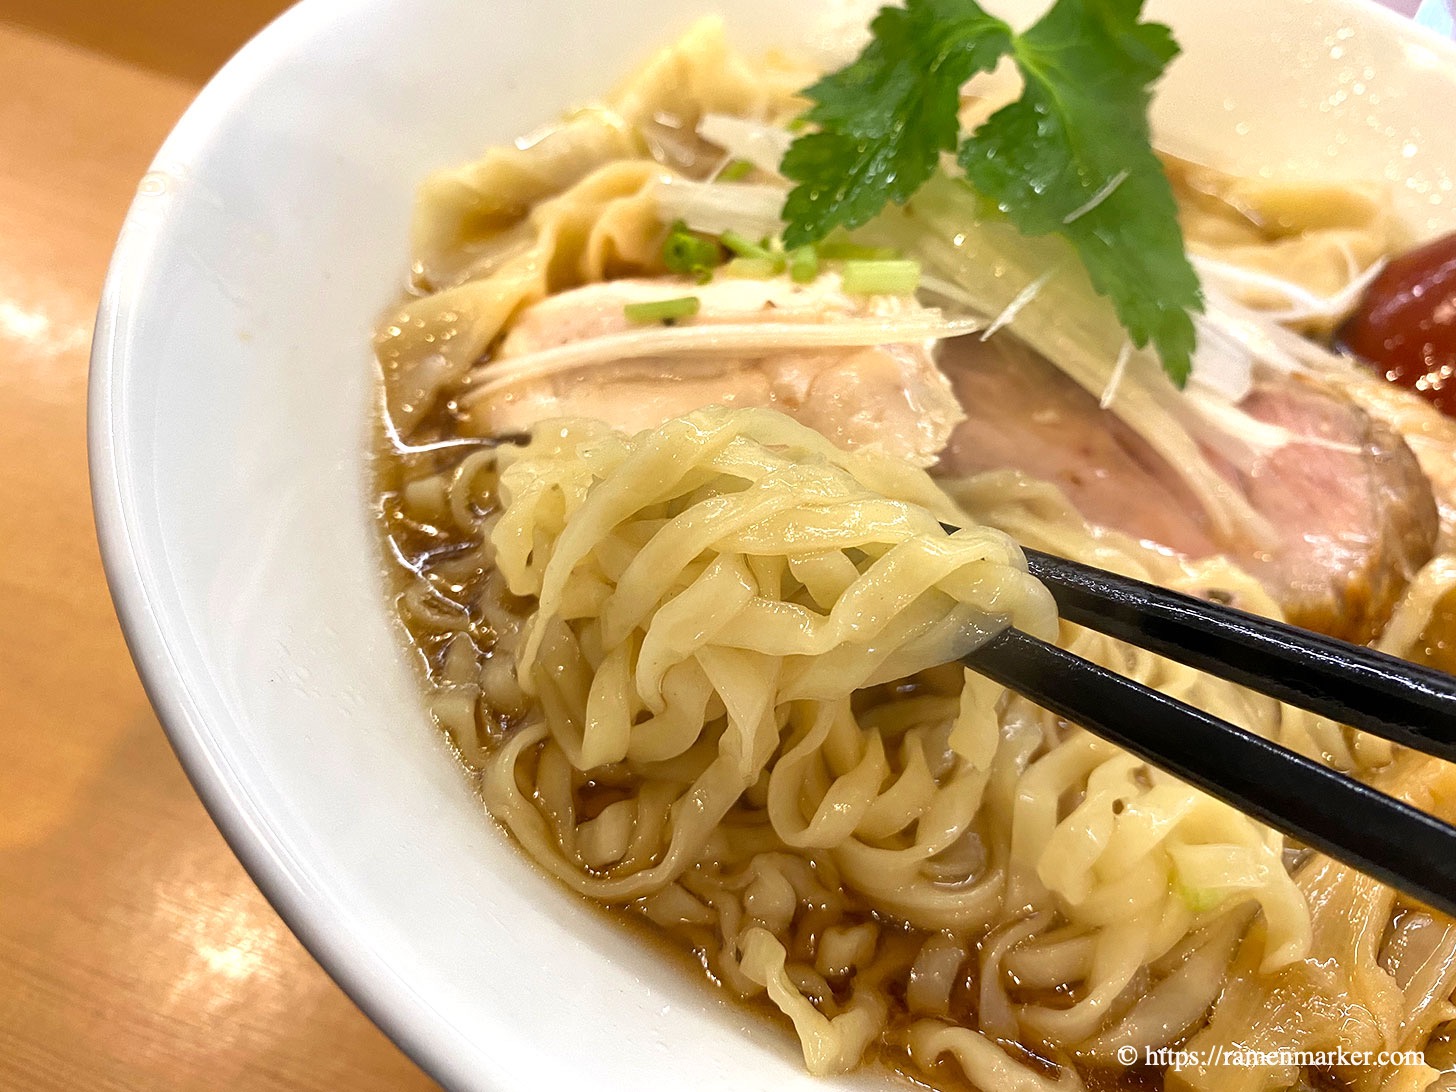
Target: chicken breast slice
(886, 397)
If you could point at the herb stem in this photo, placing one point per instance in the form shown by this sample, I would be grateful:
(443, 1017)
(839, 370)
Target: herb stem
(881, 277)
(663, 311)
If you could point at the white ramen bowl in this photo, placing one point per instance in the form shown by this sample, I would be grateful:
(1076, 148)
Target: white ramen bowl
(231, 389)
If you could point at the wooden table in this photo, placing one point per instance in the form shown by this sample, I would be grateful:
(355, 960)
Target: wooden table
(135, 953)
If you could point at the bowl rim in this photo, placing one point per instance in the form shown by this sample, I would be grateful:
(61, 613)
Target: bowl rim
(370, 983)
(383, 995)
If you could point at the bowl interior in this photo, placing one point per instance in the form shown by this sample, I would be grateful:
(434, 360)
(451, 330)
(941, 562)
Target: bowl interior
(232, 388)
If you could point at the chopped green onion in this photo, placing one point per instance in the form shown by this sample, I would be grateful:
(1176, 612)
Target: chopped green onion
(735, 171)
(1200, 901)
(803, 264)
(745, 247)
(755, 269)
(853, 252)
(881, 277)
(690, 253)
(663, 311)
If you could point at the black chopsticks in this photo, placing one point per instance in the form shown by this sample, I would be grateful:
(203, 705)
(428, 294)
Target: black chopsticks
(1350, 684)
(1304, 799)
(1329, 811)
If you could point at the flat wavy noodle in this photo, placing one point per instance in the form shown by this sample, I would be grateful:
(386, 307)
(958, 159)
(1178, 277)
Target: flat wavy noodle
(568, 207)
(701, 670)
(723, 638)
(1290, 249)
(1381, 977)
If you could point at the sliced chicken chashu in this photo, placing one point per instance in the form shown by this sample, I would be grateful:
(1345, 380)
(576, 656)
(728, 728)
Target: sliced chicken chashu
(1351, 512)
(808, 350)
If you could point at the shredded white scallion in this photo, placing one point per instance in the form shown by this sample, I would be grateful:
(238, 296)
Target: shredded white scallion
(1302, 304)
(718, 168)
(1264, 340)
(752, 141)
(1242, 439)
(1020, 300)
(709, 338)
(947, 290)
(1114, 381)
(1222, 361)
(751, 208)
(1097, 198)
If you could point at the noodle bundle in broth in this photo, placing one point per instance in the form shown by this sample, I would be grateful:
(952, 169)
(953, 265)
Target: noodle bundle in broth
(719, 604)
(706, 670)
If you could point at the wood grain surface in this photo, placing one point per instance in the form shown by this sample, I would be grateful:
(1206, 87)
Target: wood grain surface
(135, 953)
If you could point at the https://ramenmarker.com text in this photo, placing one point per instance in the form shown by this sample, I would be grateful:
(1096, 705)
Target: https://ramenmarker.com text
(1249, 1058)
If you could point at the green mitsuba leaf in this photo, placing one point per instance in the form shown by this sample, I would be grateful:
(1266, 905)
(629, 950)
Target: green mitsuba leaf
(1073, 156)
(884, 120)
